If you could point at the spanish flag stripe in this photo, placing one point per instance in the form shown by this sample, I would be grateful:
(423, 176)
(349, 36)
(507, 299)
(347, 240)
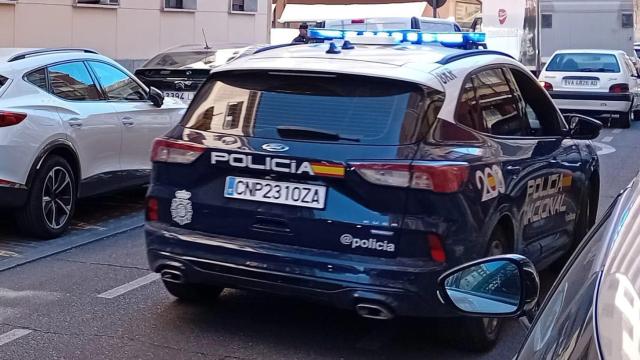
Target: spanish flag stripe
(328, 169)
(567, 180)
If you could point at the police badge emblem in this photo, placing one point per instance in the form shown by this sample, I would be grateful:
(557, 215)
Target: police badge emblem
(181, 210)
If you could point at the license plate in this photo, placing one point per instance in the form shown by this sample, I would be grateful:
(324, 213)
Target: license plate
(581, 83)
(310, 196)
(182, 95)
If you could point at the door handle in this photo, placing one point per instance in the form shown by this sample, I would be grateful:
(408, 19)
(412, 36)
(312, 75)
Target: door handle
(74, 122)
(128, 122)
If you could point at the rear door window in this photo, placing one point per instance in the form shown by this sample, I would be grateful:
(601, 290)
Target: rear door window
(314, 107)
(71, 81)
(584, 62)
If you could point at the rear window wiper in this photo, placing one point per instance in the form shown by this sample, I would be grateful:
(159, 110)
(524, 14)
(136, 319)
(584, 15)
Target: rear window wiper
(304, 133)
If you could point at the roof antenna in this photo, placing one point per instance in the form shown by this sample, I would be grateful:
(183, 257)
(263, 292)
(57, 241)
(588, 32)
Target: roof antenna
(206, 44)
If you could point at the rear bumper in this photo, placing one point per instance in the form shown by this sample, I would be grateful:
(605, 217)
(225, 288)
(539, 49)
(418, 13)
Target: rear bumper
(407, 287)
(13, 197)
(592, 101)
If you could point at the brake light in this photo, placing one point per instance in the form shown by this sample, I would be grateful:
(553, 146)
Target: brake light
(8, 118)
(619, 88)
(175, 151)
(357, 21)
(441, 177)
(436, 248)
(152, 209)
(547, 86)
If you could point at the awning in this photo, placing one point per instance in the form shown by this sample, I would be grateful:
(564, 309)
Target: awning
(309, 13)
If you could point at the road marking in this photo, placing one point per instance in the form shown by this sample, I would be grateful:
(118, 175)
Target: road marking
(607, 139)
(604, 149)
(617, 131)
(13, 335)
(130, 286)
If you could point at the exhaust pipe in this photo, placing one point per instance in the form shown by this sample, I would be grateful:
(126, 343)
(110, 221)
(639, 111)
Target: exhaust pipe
(374, 311)
(174, 276)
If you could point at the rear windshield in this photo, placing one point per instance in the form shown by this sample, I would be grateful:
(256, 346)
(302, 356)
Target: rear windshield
(427, 26)
(176, 60)
(310, 107)
(584, 62)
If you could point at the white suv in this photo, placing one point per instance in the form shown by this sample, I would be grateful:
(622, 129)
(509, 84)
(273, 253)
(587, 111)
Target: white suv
(73, 123)
(600, 83)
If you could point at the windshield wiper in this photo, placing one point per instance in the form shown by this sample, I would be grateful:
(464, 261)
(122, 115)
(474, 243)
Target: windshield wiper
(304, 133)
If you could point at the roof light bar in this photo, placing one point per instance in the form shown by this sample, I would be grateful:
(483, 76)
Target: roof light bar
(451, 39)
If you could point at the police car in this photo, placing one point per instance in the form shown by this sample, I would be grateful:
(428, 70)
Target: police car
(356, 174)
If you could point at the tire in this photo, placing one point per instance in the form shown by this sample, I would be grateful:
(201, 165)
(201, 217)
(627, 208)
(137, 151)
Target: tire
(636, 115)
(51, 201)
(480, 334)
(193, 293)
(624, 121)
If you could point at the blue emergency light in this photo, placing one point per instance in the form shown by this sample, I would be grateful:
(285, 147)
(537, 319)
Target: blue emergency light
(451, 39)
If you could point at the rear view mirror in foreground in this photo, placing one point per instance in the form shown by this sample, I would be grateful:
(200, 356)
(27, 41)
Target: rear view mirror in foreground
(501, 286)
(582, 127)
(156, 97)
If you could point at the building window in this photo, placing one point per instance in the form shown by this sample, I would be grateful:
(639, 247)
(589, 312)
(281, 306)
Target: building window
(232, 117)
(181, 4)
(98, 2)
(627, 21)
(248, 6)
(547, 21)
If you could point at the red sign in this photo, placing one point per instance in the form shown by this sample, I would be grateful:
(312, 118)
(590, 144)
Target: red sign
(502, 16)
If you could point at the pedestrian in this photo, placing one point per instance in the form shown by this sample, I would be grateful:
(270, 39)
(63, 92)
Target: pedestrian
(303, 37)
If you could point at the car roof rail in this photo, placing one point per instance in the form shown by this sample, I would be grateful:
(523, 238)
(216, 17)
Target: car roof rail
(30, 53)
(469, 53)
(273, 47)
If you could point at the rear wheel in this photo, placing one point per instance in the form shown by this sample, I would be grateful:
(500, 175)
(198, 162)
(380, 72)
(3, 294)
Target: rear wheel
(636, 115)
(624, 121)
(192, 292)
(51, 200)
(481, 334)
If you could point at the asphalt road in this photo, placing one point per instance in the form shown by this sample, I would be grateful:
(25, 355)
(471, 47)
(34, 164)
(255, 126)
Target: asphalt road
(99, 301)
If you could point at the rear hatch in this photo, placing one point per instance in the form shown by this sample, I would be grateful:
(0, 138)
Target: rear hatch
(177, 74)
(585, 72)
(307, 159)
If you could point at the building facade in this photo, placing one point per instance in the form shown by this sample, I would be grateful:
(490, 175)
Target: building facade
(463, 11)
(132, 31)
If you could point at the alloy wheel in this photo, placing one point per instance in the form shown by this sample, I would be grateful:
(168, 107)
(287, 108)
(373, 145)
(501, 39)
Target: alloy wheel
(57, 197)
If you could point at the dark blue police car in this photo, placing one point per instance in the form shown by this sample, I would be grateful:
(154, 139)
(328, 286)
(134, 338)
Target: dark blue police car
(356, 174)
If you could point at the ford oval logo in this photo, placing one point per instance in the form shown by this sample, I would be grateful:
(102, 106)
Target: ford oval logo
(275, 147)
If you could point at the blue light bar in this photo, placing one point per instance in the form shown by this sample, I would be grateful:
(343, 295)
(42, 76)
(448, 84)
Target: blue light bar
(451, 39)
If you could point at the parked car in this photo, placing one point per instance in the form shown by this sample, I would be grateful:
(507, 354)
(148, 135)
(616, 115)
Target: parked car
(73, 123)
(592, 310)
(356, 174)
(178, 72)
(425, 24)
(602, 84)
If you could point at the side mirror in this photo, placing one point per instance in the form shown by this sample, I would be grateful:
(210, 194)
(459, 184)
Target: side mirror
(156, 97)
(500, 286)
(582, 127)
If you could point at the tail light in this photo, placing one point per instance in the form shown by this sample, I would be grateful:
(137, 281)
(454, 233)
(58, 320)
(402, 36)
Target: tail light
(619, 88)
(10, 184)
(11, 118)
(357, 21)
(441, 177)
(436, 248)
(175, 151)
(546, 85)
(152, 209)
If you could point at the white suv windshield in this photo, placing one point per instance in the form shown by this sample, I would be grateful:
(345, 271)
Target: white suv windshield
(584, 62)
